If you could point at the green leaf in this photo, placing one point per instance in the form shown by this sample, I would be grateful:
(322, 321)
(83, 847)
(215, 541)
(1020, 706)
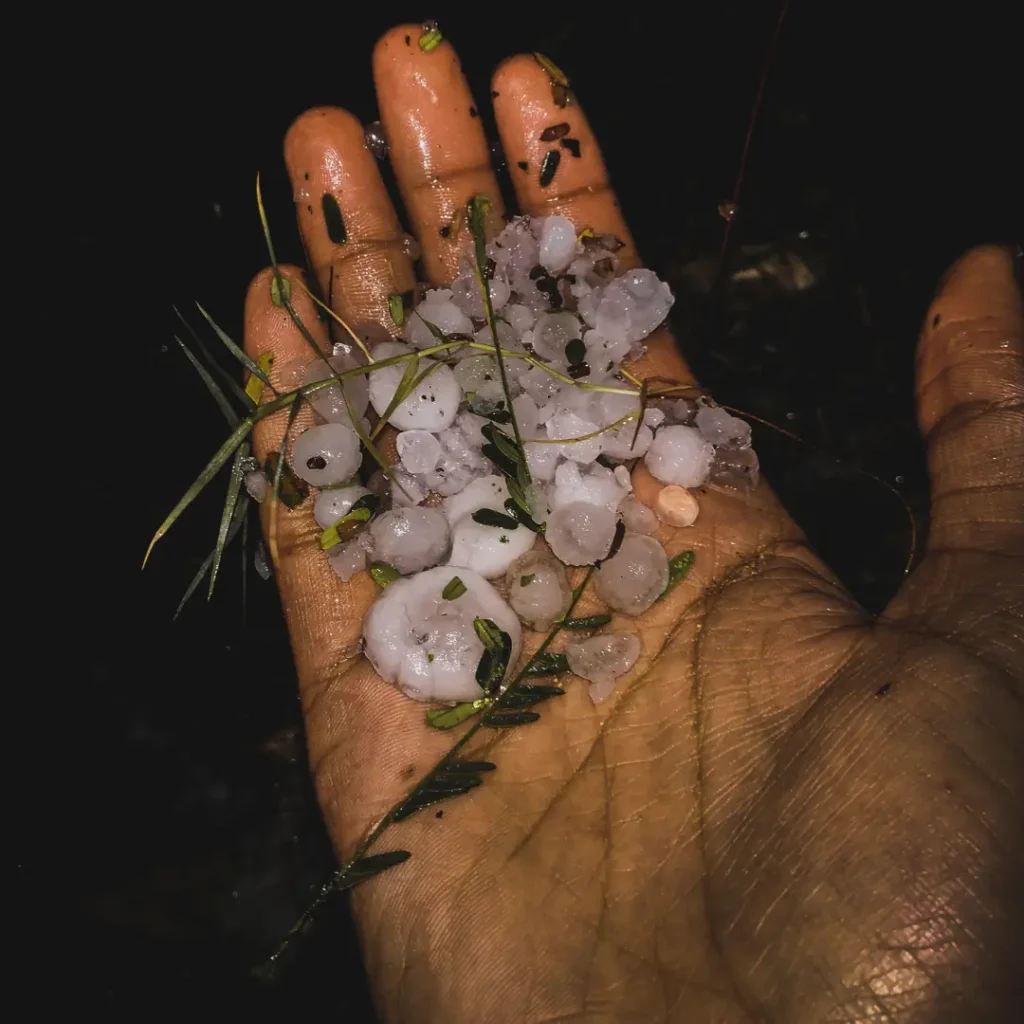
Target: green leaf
(476, 210)
(448, 718)
(588, 622)
(678, 569)
(491, 517)
(505, 444)
(223, 453)
(493, 664)
(523, 518)
(434, 790)
(366, 867)
(453, 589)
(509, 719)
(396, 308)
(468, 767)
(405, 386)
(526, 696)
(280, 291)
(291, 489)
(211, 385)
(517, 494)
(237, 522)
(576, 352)
(345, 528)
(546, 664)
(383, 574)
(248, 363)
(230, 502)
(508, 468)
(525, 581)
(430, 40)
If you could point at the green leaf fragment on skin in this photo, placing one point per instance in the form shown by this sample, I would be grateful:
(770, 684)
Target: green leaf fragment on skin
(383, 574)
(366, 867)
(526, 696)
(678, 569)
(292, 490)
(509, 719)
(430, 40)
(280, 286)
(448, 718)
(546, 664)
(439, 787)
(397, 309)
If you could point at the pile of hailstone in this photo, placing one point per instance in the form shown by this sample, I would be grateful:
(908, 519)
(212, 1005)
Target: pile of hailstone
(561, 300)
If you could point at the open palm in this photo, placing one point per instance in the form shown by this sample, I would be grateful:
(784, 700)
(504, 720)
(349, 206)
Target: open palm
(789, 810)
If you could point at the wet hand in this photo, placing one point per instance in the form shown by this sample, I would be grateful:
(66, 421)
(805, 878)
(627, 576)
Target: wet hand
(790, 810)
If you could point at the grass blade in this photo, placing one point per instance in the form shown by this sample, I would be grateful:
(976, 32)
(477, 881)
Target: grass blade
(223, 453)
(211, 385)
(402, 392)
(226, 379)
(238, 521)
(248, 363)
(275, 489)
(234, 487)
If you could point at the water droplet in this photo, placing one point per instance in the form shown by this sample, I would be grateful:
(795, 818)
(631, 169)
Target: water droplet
(375, 140)
(790, 415)
(900, 478)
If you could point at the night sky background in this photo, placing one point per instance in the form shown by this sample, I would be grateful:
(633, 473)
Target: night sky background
(168, 833)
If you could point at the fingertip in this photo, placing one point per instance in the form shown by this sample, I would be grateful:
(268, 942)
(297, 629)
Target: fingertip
(268, 326)
(980, 284)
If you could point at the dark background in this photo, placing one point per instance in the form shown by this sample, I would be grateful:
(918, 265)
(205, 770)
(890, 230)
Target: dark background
(170, 833)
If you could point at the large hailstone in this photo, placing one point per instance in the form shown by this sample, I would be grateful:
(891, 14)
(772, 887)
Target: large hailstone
(438, 309)
(326, 455)
(487, 550)
(595, 484)
(602, 659)
(580, 533)
(433, 403)
(557, 243)
(538, 590)
(427, 645)
(635, 577)
(679, 455)
(631, 307)
(411, 539)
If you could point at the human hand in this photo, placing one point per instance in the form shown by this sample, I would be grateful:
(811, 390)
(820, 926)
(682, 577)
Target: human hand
(789, 810)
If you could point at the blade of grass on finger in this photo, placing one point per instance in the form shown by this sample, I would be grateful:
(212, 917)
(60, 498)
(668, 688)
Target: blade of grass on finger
(248, 363)
(275, 489)
(226, 379)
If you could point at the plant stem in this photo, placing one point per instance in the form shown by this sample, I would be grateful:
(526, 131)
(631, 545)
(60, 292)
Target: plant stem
(339, 877)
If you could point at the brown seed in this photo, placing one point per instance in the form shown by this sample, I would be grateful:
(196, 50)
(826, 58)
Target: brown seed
(554, 131)
(549, 166)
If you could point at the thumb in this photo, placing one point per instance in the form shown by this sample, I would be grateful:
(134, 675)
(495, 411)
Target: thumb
(970, 398)
(970, 395)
